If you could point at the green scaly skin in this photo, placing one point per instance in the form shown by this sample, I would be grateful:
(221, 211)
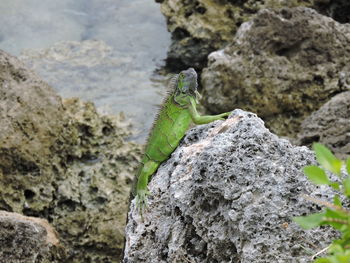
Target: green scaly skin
(174, 119)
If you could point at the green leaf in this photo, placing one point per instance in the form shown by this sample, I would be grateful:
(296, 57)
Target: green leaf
(336, 247)
(310, 221)
(336, 200)
(348, 166)
(334, 185)
(341, 259)
(336, 166)
(346, 184)
(346, 235)
(331, 215)
(322, 260)
(316, 174)
(326, 158)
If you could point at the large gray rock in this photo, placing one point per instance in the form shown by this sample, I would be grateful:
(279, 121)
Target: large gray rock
(329, 125)
(62, 161)
(283, 65)
(228, 194)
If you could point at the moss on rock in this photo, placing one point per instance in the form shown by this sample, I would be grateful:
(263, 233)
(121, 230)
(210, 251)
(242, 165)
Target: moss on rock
(63, 161)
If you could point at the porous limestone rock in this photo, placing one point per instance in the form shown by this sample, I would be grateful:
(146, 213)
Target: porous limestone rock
(62, 161)
(282, 65)
(329, 125)
(228, 194)
(92, 194)
(31, 121)
(199, 27)
(28, 240)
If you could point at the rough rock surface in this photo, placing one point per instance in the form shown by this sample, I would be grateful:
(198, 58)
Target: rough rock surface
(283, 65)
(64, 162)
(228, 194)
(199, 27)
(27, 239)
(329, 125)
(31, 116)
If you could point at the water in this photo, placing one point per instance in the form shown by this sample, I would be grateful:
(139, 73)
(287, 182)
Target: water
(100, 50)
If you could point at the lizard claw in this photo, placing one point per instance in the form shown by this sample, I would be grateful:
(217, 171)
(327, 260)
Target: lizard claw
(224, 115)
(141, 200)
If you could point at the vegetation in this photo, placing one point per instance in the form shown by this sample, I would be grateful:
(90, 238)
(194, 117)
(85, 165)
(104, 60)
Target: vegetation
(334, 214)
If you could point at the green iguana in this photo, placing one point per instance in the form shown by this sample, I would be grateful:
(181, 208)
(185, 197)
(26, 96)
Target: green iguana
(171, 124)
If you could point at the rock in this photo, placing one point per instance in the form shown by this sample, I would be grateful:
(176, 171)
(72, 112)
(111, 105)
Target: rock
(25, 141)
(329, 125)
(28, 239)
(202, 26)
(228, 194)
(93, 194)
(62, 161)
(337, 9)
(283, 65)
(31, 121)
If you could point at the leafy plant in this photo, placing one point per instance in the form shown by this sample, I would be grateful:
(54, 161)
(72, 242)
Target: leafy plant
(335, 214)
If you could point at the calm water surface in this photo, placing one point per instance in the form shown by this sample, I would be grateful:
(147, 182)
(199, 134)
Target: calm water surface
(100, 50)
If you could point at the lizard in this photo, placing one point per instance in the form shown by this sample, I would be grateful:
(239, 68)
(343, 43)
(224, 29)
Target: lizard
(176, 114)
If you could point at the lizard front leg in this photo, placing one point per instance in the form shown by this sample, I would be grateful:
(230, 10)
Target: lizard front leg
(198, 119)
(148, 169)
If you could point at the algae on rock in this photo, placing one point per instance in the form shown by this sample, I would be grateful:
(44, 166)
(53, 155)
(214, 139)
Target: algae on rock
(64, 162)
(92, 196)
(202, 26)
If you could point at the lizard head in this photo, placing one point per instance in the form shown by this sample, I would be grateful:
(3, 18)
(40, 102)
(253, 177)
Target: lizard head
(187, 83)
